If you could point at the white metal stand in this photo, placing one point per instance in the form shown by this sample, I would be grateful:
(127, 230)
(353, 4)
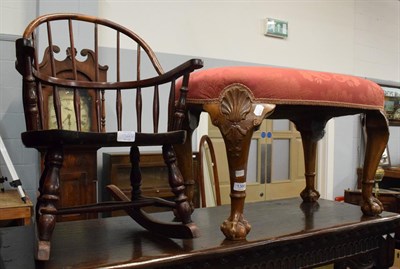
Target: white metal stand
(16, 182)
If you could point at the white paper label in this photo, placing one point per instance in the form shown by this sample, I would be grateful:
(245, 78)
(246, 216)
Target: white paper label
(125, 136)
(239, 173)
(239, 186)
(258, 110)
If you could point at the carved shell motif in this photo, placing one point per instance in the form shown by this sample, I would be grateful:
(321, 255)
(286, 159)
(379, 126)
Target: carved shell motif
(236, 104)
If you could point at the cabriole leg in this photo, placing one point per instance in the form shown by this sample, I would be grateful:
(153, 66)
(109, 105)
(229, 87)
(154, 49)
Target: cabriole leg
(377, 137)
(236, 117)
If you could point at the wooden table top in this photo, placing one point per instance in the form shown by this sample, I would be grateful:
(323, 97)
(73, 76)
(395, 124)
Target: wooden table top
(11, 199)
(119, 241)
(13, 208)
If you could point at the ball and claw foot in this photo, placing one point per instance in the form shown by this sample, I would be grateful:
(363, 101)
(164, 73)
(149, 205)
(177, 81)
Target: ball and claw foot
(372, 206)
(309, 195)
(236, 229)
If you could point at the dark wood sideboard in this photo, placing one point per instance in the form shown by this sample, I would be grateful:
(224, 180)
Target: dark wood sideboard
(389, 190)
(391, 179)
(389, 198)
(285, 234)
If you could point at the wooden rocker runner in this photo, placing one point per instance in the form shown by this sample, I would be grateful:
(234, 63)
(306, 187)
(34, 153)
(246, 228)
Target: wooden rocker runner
(66, 90)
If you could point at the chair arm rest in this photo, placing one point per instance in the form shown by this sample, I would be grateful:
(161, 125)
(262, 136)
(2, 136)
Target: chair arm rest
(185, 68)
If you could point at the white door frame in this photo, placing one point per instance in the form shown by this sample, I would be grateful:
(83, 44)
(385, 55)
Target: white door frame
(325, 162)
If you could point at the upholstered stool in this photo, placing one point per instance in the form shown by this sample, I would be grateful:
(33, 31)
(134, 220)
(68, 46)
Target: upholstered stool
(239, 98)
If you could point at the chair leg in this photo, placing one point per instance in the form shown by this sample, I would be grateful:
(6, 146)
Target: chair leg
(48, 199)
(311, 132)
(184, 155)
(237, 117)
(183, 209)
(377, 137)
(135, 175)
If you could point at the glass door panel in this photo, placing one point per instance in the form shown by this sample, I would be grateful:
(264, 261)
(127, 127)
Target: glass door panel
(280, 160)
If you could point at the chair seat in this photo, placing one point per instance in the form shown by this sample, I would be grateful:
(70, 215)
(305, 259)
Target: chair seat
(287, 86)
(45, 138)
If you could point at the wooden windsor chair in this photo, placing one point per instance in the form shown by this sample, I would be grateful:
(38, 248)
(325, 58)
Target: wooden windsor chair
(65, 105)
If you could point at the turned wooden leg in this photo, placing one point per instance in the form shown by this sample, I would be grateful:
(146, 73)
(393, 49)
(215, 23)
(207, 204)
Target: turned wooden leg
(135, 175)
(377, 137)
(236, 116)
(184, 155)
(311, 132)
(183, 208)
(48, 199)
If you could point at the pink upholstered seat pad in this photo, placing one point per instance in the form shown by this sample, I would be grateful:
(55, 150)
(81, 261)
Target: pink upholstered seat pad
(287, 86)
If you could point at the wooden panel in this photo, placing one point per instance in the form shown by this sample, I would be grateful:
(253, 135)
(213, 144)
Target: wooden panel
(392, 172)
(72, 193)
(78, 180)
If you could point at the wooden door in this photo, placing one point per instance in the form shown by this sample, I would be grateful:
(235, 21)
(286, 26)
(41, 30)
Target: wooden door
(275, 168)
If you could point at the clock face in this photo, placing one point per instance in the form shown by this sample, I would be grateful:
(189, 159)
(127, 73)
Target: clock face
(67, 111)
